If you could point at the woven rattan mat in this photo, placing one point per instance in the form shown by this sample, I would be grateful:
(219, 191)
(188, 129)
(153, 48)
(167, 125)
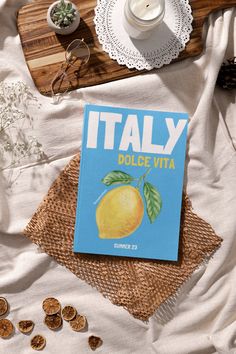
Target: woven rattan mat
(140, 286)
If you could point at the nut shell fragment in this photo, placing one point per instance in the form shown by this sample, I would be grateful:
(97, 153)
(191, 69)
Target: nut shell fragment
(69, 313)
(94, 342)
(25, 326)
(6, 328)
(3, 306)
(78, 323)
(38, 342)
(51, 306)
(53, 321)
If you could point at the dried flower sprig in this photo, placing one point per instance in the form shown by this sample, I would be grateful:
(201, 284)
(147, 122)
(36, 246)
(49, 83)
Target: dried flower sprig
(15, 120)
(227, 74)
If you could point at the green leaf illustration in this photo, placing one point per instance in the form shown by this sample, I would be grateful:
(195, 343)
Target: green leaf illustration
(153, 201)
(117, 177)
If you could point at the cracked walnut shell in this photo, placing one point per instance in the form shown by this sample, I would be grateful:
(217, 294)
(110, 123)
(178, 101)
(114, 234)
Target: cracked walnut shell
(94, 342)
(51, 306)
(38, 342)
(6, 328)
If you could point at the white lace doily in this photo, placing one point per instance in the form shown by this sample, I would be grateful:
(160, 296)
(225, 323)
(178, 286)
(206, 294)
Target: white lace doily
(164, 45)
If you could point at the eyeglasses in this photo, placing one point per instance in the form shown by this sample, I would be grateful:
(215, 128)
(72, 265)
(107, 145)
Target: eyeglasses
(77, 54)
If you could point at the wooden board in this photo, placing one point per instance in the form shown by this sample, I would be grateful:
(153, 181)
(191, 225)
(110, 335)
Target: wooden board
(44, 50)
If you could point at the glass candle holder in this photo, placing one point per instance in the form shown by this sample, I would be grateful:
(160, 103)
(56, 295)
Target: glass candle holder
(142, 16)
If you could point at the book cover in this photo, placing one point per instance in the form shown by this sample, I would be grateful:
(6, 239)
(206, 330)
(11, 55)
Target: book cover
(130, 183)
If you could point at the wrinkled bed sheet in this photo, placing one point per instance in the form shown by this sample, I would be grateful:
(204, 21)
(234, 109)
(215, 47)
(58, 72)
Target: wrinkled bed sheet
(203, 318)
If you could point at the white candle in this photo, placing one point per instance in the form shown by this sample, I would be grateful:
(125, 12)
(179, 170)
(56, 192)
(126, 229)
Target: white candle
(142, 16)
(146, 9)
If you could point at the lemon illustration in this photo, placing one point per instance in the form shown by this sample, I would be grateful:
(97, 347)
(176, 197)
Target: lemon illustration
(120, 212)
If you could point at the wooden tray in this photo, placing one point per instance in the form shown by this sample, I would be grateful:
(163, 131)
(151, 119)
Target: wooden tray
(45, 51)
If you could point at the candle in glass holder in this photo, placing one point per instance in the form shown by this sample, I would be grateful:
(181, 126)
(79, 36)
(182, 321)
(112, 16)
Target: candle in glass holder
(142, 16)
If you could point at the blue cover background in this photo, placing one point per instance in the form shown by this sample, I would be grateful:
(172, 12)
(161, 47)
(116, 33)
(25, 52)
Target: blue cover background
(156, 241)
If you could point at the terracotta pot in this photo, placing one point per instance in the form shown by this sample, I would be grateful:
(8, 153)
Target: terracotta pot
(63, 30)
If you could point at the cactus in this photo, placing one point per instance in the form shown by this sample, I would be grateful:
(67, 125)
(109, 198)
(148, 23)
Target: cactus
(63, 14)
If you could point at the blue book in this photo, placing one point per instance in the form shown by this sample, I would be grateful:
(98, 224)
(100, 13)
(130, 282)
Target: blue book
(130, 183)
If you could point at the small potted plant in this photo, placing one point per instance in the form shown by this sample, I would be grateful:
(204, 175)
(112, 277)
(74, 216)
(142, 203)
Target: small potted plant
(63, 17)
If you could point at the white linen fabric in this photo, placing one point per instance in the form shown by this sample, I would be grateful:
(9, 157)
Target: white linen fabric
(204, 316)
